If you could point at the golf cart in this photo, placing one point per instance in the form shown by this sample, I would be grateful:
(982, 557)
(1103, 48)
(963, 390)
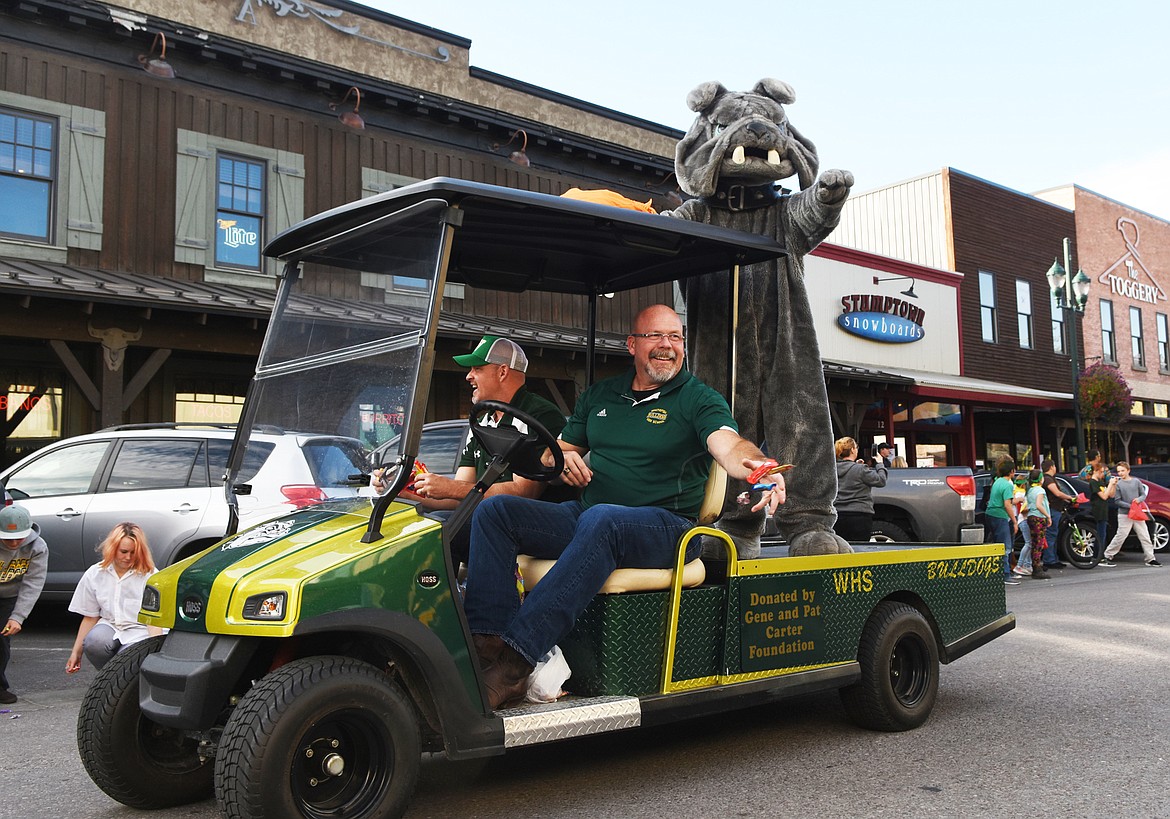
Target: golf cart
(311, 660)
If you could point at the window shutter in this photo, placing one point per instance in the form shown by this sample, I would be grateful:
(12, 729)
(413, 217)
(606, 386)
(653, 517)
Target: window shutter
(86, 157)
(193, 175)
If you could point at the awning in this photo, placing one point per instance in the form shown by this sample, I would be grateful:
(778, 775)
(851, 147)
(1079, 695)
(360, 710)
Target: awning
(30, 279)
(978, 391)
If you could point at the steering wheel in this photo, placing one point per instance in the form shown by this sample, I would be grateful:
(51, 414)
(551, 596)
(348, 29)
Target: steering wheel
(520, 450)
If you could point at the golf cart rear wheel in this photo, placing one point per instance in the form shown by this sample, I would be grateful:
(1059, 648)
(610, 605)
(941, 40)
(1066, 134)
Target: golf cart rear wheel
(899, 670)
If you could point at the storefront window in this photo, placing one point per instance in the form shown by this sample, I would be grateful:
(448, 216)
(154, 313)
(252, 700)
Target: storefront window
(32, 411)
(208, 408)
(930, 455)
(1161, 410)
(997, 452)
(1138, 408)
(934, 412)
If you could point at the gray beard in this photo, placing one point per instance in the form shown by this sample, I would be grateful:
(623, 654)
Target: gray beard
(658, 377)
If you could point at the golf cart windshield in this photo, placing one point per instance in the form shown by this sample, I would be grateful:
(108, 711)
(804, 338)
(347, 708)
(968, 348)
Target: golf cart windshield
(344, 361)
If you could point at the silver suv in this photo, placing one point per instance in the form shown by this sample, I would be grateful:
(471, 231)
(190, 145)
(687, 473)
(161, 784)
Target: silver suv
(168, 478)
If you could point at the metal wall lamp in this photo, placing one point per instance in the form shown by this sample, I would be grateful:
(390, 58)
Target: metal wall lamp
(158, 66)
(519, 157)
(350, 119)
(909, 291)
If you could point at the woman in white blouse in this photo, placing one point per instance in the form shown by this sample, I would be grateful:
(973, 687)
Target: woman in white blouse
(109, 596)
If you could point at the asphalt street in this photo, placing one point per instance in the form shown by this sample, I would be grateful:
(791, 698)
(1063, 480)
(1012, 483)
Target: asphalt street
(1063, 717)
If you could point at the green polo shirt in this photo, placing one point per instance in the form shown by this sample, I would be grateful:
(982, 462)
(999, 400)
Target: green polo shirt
(1002, 490)
(544, 411)
(648, 452)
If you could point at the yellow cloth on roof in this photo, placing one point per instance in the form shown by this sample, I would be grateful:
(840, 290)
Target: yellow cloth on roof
(607, 197)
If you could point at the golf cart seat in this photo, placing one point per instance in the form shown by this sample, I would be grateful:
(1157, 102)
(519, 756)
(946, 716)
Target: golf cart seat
(631, 580)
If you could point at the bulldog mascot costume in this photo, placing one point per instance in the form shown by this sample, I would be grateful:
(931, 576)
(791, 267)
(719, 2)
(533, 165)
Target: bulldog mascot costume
(739, 146)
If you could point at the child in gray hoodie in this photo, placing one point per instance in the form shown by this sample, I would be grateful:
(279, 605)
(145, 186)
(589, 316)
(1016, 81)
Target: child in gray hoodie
(24, 562)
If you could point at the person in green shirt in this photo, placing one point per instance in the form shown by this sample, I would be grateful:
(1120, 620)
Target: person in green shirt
(999, 519)
(497, 371)
(651, 434)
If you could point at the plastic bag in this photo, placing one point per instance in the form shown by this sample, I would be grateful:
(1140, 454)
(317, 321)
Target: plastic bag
(545, 681)
(1137, 511)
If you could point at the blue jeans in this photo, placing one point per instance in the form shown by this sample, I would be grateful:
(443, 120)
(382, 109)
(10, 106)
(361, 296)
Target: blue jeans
(1050, 557)
(588, 544)
(1024, 561)
(999, 530)
(1102, 540)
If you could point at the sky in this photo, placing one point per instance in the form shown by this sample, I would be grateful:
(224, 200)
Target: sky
(1030, 94)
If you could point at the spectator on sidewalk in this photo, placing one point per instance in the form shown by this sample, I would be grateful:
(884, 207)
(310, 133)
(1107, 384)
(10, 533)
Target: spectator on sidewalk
(109, 597)
(855, 483)
(999, 518)
(1129, 490)
(1058, 501)
(1038, 521)
(1020, 502)
(24, 563)
(1101, 491)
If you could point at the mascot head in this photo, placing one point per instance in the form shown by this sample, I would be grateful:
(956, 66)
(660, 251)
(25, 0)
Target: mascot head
(743, 138)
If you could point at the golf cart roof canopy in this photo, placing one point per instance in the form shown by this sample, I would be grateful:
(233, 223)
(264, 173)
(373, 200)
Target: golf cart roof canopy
(516, 240)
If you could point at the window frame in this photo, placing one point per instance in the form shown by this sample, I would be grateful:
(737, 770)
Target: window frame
(79, 182)
(1059, 328)
(196, 170)
(50, 181)
(1024, 316)
(260, 214)
(988, 318)
(1108, 332)
(1163, 329)
(1137, 341)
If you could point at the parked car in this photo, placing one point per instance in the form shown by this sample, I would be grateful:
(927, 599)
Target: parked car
(167, 478)
(1158, 501)
(1154, 473)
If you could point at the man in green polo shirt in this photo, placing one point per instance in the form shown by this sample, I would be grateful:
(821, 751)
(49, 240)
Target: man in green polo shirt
(651, 435)
(497, 372)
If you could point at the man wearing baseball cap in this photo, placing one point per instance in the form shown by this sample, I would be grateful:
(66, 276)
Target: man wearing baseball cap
(497, 371)
(885, 455)
(24, 562)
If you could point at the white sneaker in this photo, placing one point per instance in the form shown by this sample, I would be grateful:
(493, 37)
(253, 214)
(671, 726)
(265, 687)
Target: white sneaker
(1022, 571)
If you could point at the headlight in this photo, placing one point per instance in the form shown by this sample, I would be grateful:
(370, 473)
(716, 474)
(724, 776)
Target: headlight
(150, 599)
(265, 606)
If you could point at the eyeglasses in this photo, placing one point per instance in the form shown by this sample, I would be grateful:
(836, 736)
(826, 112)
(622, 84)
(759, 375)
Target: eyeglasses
(673, 338)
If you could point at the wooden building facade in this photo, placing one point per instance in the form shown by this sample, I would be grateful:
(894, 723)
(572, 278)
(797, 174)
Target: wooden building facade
(134, 203)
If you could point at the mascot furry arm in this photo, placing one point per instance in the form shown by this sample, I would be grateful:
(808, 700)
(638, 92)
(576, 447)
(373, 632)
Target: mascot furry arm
(739, 146)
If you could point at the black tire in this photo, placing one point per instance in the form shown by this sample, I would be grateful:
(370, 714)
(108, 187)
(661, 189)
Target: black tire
(899, 671)
(1083, 555)
(134, 760)
(286, 733)
(882, 531)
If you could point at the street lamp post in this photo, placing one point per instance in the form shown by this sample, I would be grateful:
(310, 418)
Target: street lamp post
(1071, 295)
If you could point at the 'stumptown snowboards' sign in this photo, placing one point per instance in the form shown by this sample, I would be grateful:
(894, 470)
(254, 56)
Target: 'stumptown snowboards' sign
(881, 318)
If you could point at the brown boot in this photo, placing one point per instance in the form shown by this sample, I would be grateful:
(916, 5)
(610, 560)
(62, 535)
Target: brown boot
(487, 648)
(506, 680)
(1040, 574)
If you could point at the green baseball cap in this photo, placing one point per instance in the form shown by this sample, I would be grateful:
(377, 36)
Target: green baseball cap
(495, 350)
